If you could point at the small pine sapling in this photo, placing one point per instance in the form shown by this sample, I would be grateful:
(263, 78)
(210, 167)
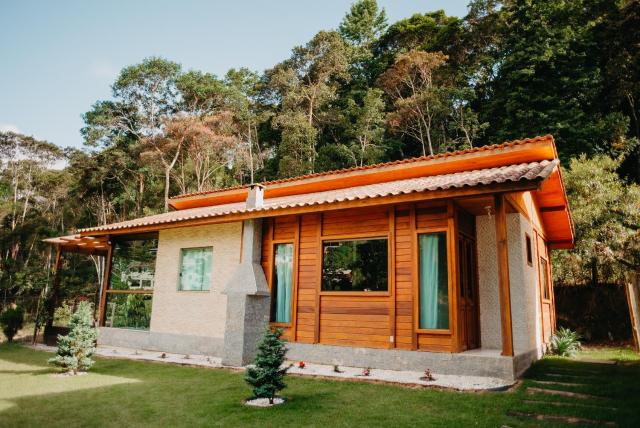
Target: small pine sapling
(267, 377)
(76, 349)
(11, 321)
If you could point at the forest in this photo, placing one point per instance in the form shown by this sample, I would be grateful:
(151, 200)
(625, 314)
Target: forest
(365, 92)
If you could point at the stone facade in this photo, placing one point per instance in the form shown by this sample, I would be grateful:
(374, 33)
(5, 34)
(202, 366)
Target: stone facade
(525, 301)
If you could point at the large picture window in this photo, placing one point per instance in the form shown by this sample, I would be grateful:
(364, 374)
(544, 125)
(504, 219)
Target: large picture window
(195, 269)
(282, 284)
(129, 292)
(434, 281)
(355, 265)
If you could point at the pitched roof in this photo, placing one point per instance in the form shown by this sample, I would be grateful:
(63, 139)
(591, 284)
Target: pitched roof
(520, 151)
(533, 171)
(478, 149)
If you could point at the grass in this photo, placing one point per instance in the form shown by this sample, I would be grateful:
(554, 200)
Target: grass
(123, 393)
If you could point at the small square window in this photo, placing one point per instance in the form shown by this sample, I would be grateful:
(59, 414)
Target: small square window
(527, 239)
(195, 269)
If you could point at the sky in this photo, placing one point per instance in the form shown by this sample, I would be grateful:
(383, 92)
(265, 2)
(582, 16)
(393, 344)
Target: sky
(57, 58)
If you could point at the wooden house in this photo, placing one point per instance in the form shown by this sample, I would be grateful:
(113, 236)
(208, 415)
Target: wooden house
(438, 262)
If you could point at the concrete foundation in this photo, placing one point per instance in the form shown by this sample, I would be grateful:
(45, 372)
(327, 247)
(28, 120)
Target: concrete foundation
(478, 362)
(163, 342)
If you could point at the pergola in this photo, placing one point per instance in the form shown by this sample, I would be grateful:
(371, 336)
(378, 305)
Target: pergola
(87, 245)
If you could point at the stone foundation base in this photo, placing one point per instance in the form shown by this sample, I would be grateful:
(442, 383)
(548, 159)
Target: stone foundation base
(480, 362)
(163, 342)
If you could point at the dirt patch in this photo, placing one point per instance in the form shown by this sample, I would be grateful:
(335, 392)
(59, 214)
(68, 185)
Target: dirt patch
(566, 419)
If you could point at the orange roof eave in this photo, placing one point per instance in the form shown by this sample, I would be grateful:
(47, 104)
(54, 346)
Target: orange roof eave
(519, 151)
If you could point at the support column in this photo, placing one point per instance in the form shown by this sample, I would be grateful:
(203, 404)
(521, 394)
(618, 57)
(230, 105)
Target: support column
(106, 278)
(503, 276)
(248, 296)
(52, 300)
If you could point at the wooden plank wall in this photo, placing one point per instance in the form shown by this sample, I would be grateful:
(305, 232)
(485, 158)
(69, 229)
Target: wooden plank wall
(361, 319)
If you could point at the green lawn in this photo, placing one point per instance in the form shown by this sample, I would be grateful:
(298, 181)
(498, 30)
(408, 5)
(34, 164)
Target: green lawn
(126, 393)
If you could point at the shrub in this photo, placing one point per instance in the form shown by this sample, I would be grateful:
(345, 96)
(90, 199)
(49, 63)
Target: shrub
(11, 321)
(267, 377)
(76, 349)
(565, 342)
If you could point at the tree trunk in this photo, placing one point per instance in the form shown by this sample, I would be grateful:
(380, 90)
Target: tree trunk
(167, 172)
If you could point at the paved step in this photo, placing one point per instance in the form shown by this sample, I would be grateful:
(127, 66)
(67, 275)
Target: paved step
(572, 420)
(569, 404)
(532, 390)
(550, 382)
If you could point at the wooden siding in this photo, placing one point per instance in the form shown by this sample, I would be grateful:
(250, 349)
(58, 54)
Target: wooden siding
(364, 319)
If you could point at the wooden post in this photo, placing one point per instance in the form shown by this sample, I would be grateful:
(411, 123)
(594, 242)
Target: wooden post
(503, 275)
(52, 301)
(105, 283)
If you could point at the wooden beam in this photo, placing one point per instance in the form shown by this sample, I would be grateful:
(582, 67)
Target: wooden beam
(503, 275)
(105, 285)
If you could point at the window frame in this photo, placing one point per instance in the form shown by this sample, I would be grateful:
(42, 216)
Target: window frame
(416, 297)
(180, 290)
(528, 249)
(546, 267)
(107, 290)
(356, 237)
(294, 282)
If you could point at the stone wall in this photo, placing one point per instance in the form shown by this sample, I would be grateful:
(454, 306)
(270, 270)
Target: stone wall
(525, 306)
(197, 313)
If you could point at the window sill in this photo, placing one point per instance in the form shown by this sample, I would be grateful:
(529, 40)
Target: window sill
(433, 331)
(356, 293)
(280, 324)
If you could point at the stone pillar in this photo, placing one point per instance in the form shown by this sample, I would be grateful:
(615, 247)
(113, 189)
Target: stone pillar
(248, 297)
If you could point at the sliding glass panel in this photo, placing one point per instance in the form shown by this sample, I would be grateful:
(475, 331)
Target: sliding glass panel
(357, 265)
(195, 269)
(133, 264)
(128, 310)
(434, 281)
(282, 288)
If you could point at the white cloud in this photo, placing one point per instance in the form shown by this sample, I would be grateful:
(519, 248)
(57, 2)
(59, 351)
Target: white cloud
(8, 127)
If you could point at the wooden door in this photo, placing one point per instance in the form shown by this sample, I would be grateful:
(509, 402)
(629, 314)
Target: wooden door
(468, 293)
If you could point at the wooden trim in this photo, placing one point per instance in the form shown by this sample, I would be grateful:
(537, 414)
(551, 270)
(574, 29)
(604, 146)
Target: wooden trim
(443, 332)
(452, 267)
(503, 275)
(355, 236)
(415, 276)
(553, 209)
(391, 272)
(296, 264)
(143, 291)
(380, 201)
(242, 240)
(357, 293)
(316, 326)
(105, 284)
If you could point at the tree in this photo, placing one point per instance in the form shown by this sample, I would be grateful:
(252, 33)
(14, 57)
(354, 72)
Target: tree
(419, 102)
(364, 23)
(149, 98)
(11, 321)
(267, 377)
(606, 215)
(76, 349)
(365, 127)
(302, 86)
(549, 77)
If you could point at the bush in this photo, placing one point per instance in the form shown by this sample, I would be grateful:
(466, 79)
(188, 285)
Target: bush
(76, 349)
(267, 377)
(11, 320)
(565, 343)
